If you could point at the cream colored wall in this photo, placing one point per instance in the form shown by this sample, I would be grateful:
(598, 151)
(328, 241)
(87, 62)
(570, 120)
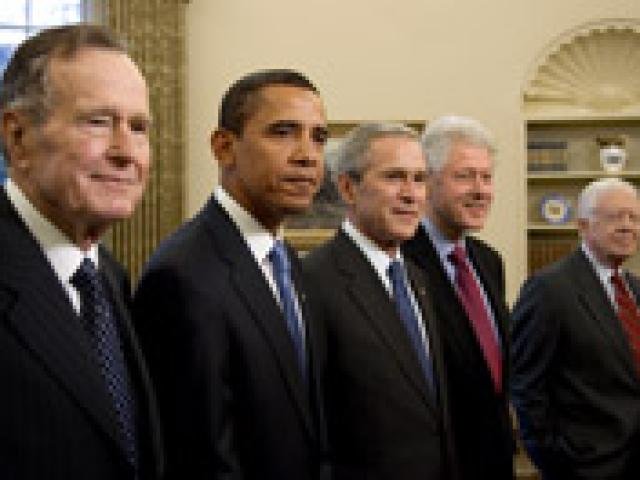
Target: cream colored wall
(389, 59)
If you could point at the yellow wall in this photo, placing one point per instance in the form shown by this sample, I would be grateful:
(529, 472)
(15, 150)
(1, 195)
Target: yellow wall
(390, 59)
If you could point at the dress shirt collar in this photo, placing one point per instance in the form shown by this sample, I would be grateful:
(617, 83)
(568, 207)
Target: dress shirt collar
(603, 271)
(259, 240)
(63, 255)
(378, 258)
(443, 245)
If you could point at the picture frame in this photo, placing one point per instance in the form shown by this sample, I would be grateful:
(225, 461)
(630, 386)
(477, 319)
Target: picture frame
(307, 231)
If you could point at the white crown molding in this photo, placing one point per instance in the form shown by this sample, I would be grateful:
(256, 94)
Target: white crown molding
(594, 68)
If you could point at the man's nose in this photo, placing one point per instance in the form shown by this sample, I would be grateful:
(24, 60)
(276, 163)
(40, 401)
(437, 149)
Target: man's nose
(308, 152)
(122, 144)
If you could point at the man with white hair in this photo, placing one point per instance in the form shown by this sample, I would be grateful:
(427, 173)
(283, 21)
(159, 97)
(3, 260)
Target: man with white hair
(576, 347)
(466, 280)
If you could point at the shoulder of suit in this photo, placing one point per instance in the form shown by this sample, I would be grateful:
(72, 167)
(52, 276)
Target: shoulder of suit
(319, 256)
(107, 260)
(560, 275)
(483, 247)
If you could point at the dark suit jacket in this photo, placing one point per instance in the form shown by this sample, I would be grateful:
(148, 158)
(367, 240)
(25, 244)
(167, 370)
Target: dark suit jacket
(232, 399)
(575, 384)
(479, 416)
(56, 417)
(384, 421)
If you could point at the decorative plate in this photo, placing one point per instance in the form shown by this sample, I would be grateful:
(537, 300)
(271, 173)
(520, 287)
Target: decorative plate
(555, 209)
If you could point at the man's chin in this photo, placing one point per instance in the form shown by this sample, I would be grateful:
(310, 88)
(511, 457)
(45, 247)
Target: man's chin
(474, 224)
(296, 208)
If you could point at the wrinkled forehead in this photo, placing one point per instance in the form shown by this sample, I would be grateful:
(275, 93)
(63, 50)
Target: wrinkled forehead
(98, 75)
(619, 198)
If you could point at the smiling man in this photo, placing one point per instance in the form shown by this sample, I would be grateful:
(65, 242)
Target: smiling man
(467, 279)
(220, 307)
(384, 385)
(76, 399)
(576, 347)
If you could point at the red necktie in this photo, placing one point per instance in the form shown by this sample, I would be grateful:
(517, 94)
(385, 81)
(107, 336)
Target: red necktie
(471, 297)
(628, 314)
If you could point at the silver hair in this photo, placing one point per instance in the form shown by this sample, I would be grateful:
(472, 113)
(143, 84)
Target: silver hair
(450, 130)
(350, 157)
(26, 85)
(589, 196)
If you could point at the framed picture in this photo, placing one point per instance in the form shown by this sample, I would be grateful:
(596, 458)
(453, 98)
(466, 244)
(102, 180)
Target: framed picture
(317, 225)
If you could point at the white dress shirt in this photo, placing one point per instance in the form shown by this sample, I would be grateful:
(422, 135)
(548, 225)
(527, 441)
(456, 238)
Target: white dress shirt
(444, 247)
(260, 242)
(380, 261)
(604, 274)
(64, 256)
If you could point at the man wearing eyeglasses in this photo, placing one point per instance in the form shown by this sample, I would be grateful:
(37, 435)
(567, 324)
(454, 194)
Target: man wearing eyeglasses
(576, 347)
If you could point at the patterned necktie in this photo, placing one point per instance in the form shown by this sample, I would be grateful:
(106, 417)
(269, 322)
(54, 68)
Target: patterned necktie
(473, 303)
(282, 275)
(99, 321)
(408, 316)
(628, 315)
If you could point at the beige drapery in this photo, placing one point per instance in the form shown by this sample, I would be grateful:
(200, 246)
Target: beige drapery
(155, 34)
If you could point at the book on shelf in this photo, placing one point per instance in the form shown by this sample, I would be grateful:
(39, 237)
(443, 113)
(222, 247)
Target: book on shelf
(547, 249)
(547, 156)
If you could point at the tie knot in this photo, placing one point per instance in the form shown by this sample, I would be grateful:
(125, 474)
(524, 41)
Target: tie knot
(458, 255)
(279, 256)
(86, 276)
(616, 279)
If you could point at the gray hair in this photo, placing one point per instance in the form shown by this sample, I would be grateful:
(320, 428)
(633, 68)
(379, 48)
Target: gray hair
(588, 199)
(25, 83)
(447, 131)
(350, 157)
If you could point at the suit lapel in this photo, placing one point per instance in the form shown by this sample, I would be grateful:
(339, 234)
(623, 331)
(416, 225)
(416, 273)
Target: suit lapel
(449, 309)
(592, 295)
(367, 291)
(248, 280)
(495, 292)
(453, 319)
(139, 375)
(42, 317)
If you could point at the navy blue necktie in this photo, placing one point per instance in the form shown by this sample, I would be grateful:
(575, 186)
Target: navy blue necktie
(409, 318)
(99, 321)
(282, 275)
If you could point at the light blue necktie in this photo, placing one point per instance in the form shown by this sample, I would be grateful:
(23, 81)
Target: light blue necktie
(99, 321)
(282, 274)
(405, 309)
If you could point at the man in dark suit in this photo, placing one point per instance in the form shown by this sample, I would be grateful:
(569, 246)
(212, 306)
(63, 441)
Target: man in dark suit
(467, 283)
(384, 387)
(576, 347)
(221, 308)
(76, 399)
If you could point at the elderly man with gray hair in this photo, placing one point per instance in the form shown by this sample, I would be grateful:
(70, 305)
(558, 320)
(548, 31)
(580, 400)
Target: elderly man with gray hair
(385, 393)
(77, 401)
(466, 276)
(576, 347)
